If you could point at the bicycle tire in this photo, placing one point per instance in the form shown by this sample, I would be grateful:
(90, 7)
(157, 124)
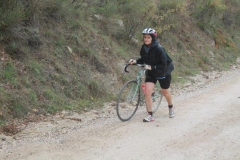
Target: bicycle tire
(156, 98)
(128, 100)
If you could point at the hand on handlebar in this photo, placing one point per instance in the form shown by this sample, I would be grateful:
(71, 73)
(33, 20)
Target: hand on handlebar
(132, 61)
(148, 67)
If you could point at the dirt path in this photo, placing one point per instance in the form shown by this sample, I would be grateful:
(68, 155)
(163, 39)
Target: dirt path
(206, 126)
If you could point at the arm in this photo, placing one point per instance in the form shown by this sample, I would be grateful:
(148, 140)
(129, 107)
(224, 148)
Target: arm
(162, 60)
(140, 61)
(160, 65)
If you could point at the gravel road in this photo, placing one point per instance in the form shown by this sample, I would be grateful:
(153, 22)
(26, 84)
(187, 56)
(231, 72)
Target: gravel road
(206, 126)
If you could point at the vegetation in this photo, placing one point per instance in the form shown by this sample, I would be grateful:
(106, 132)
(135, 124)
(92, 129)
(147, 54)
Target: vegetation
(67, 54)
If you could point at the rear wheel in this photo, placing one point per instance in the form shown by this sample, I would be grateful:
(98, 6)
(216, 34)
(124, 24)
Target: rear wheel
(156, 97)
(128, 100)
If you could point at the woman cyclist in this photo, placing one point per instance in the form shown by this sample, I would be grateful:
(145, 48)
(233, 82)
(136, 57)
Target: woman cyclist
(159, 67)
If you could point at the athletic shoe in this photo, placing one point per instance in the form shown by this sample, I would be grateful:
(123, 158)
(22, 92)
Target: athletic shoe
(149, 118)
(171, 112)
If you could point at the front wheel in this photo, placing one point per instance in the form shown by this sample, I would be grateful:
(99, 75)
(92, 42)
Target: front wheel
(128, 100)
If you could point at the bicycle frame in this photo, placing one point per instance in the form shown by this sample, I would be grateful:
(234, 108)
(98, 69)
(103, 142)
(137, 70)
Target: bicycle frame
(140, 74)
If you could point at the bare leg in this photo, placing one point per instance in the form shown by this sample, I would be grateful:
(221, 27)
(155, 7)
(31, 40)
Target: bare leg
(167, 95)
(148, 96)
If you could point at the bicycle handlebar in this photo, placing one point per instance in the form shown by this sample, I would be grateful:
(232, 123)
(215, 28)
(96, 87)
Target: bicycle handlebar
(126, 65)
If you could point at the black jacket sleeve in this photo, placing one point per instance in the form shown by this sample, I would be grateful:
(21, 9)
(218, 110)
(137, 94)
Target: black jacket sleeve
(161, 66)
(140, 61)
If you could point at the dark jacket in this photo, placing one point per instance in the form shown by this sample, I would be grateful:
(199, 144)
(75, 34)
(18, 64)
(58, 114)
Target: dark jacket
(157, 57)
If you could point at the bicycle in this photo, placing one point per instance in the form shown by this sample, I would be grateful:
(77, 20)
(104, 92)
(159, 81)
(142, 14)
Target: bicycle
(131, 96)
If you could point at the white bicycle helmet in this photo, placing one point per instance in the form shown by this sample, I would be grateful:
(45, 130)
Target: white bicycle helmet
(150, 31)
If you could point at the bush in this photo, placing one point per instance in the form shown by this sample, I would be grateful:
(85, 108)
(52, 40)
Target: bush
(12, 13)
(208, 12)
(136, 15)
(231, 15)
(166, 15)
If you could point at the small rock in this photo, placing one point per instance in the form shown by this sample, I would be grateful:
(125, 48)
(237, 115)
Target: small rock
(95, 112)
(114, 104)
(3, 137)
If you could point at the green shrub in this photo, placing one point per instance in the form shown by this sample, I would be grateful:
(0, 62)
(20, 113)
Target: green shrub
(107, 9)
(17, 106)
(208, 12)
(231, 16)
(167, 16)
(9, 73)
(12, 13)
(35, 68)
(136, 15)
